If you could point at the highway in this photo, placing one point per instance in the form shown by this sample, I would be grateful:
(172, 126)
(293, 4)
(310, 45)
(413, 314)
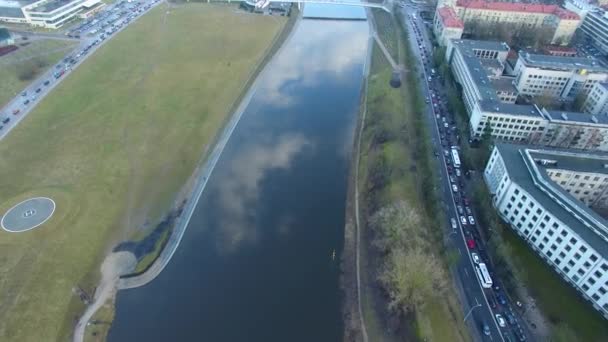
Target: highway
(479, 305)
(25, 101)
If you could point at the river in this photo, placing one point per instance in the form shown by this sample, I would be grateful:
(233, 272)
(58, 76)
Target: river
(255, 263)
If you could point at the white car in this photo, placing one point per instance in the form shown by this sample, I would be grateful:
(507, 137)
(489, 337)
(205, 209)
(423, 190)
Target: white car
(463, 220)
(475, 258)
(471, 219)
(453, 223)
(454, 188)
(457, 172)
(500, 320)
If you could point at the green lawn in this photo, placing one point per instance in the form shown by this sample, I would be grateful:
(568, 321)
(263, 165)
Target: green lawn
(38, 56)
(112, 145)
(556, 299)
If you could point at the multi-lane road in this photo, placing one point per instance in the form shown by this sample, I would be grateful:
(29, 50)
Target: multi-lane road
(480, 304)
(100, 31)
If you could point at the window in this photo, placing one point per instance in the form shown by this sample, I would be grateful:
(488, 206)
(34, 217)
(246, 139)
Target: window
(593, 258)
(571, 263)
(541, 246)
(557, 261)
(604, 267)
(516, 191)
(573, 241)
(577, 256)
(563, 233)
(537, 232)
(585, 287)
(591, 281)
(534, 218)
(575, 278)
(559, 240)
(546, 218)
(568, 248)
(597, 274)
(533, 239)
(545, 239)
(583, 249)
(551, 232)
(553, 247)
(562, 255)
(595, 296)
(527, 211)
(566, 270)
(602, 291)
(580, 271)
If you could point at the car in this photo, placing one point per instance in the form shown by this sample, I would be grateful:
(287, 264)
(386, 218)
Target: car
(454, 187)
(471, 219)
(6, 120)
(24, 94)
(26, 102)
(16, 111)
(452, 179)
(475, 258)
(463, 220)
(501, 299)
(459, 208)
(520, 335)
(501, 321)
(458, 172)
(453, 223)
(471, 243)
(511, 318)
(445, 124)
(492, 302)
(468, 210)
(46, 82)
(486, 330)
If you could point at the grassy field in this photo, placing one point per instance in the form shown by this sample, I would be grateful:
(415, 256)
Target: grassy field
(392, 171)
(38, 56)
(112, 145)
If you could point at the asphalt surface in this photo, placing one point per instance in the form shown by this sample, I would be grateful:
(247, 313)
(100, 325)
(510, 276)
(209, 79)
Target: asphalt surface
(480, 305)
(24, 101)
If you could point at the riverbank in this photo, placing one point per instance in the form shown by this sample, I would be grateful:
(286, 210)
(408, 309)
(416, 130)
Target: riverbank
(403, 287)
(188, 197)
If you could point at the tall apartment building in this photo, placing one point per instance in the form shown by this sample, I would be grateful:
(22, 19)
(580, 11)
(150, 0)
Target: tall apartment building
(595, 28)
(473, 63)
(550, 217)
(597, 100)
(45, 13)
(562, 22)
(556, 76)
(447, 25)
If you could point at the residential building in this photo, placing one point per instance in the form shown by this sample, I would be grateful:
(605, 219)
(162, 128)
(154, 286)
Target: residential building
(44, 13)
(595, 29)
(490, 103)
(556, 76)
(597, 100)
(447, 25)
(560, 51)
(561, 229)
(562, 22)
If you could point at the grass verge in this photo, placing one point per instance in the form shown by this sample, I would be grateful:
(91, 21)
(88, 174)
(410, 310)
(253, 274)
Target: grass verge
(396, 179)
(113, 144)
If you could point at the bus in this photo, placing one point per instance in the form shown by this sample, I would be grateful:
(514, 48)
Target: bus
(484, 275)
(455, 157)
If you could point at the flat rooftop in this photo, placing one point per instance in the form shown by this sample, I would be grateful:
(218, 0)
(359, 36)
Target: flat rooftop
(562, 63)
(525, 167)
(576, 117)
(504, 84)
(510, 109)
(52, 5)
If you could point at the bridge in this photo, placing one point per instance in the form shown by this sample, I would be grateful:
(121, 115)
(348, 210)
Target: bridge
(384, 5)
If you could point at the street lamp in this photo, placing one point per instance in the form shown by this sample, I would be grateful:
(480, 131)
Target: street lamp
(471, 310)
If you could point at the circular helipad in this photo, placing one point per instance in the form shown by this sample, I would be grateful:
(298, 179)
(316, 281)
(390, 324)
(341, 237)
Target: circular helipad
(28, 214)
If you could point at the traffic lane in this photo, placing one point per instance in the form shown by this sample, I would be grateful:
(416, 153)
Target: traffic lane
(494, 329)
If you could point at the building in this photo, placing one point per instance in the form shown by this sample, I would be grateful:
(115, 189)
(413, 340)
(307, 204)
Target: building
(44, 13)
(595, 29)
(556, 76)
(580, 7)
(560, 51)
(597, 100)
(490, 103)
(560, 228)
(562, 22)
(5, 38)
(447, 25)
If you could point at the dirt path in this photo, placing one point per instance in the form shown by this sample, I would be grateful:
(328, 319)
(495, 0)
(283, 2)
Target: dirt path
(113, 266)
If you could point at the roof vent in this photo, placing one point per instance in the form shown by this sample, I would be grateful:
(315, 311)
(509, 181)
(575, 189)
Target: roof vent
(497, 109)
(594, 119)
(605, 166)
(565, 116)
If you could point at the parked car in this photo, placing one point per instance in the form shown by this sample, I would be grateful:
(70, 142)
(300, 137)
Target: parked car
(463, 220)
(471, 243)
(501, 299)
(471, 219)
(486, 330)
(46, 82)
(511, 318)
(454, 188)
(520, 335)
(501, 321)
(468, 210)
(16, 111)
(6, 120)
(459, 208)
(453, 223)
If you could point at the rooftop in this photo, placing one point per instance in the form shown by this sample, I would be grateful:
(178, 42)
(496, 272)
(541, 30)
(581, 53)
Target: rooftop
(510, 109)
(504, 84)
(4, 34)
(575, 117)
(519, 7)
(449, 17)
(562, 63)
(51, 5)
(525, 167)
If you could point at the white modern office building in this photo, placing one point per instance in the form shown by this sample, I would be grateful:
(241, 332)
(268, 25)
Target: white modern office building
(597, 100)
(564, 231)
(45, 13)
(595, 28)
(556, 76)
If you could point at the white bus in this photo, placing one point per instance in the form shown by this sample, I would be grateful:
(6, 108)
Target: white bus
(484, 275)
(455, 157)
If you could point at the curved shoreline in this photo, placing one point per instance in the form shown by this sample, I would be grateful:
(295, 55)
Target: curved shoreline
(201, 180)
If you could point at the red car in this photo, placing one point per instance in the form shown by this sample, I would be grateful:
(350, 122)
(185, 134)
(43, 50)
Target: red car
(16, 111)
(471, 243)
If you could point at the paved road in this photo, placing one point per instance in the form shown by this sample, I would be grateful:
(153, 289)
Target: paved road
(17, 109)
(473, 296)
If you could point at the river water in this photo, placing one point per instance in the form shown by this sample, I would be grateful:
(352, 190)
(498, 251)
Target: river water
(255, 263)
